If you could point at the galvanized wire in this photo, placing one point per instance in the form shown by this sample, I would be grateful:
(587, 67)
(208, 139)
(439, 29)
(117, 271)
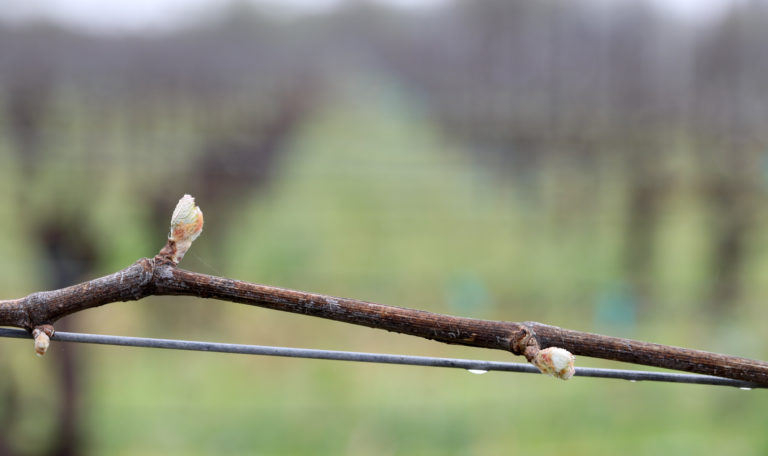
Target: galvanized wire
(472, 365)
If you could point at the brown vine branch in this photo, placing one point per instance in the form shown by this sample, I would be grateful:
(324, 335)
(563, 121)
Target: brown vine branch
(541, 344)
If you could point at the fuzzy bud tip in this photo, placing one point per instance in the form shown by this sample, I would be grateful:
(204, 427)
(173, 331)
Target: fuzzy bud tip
(555, 361)
(42, 342)
(186, 226)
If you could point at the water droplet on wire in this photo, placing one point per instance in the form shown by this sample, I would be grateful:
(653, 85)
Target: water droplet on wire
(477, 371)
(745, 388)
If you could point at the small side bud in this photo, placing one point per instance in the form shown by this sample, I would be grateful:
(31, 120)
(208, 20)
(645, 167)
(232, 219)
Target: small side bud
(42, 335)
(42, 342)
(555, 361)
(186, 226)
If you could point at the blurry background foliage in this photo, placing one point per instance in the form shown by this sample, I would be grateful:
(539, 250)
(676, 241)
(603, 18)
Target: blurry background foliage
(596, 165)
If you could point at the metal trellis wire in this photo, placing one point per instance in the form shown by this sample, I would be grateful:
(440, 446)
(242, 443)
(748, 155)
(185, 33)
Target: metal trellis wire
(474, 366)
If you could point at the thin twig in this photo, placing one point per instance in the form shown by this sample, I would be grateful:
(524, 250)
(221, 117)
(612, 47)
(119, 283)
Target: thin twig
(541, 344)
(475, 365)
(149, 277)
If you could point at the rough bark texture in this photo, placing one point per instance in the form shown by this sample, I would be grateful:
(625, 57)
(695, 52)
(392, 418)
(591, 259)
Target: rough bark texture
(443, 328)
(45, 307)
(649, 354)
(160, 276)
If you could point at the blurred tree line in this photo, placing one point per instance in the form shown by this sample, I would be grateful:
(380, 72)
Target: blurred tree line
(535, 89)
(528, 85)
(536, 84)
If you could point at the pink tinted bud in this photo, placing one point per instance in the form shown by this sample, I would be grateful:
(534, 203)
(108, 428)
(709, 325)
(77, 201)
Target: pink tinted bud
(186, 226)
(555, 361)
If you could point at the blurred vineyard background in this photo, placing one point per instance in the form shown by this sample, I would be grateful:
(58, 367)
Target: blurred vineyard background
(596, 165)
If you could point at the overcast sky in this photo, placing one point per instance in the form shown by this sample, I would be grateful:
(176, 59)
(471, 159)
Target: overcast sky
(111, 15)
